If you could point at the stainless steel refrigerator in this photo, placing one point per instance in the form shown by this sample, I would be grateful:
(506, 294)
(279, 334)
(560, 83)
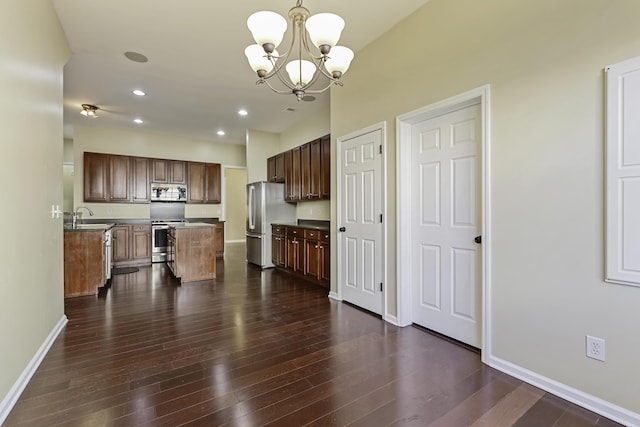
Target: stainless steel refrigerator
(265, 205)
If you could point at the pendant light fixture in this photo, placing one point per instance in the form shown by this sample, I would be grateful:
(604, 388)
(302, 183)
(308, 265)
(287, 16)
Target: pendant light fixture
(322, 30)
(89, 110)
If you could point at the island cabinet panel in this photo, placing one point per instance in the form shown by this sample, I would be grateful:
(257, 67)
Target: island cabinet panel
(83, 262)
(131, 244)
(141, 190)
(194, 256)
(218, 239)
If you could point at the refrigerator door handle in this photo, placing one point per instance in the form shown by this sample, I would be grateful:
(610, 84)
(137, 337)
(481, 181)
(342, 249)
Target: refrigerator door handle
(252, 215)
(253, 236)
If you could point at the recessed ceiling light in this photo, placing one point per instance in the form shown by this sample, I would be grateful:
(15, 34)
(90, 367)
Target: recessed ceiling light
(139, 92)
(220, 133)
(243, 112)
(139, 121)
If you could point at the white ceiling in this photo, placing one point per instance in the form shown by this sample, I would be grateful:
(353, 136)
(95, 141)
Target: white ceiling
(197, 76)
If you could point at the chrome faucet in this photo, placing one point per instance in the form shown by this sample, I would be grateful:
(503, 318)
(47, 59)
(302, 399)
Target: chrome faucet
(74, 215)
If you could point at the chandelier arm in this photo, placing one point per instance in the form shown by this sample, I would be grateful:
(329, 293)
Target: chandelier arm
(281, 92)
(323, 89)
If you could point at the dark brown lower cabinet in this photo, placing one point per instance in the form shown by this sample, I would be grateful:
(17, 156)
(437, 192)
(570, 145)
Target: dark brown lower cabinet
(302, 251)
(131, 244)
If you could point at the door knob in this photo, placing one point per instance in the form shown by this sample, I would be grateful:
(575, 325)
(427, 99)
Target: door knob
(342, 229)
(478, 239)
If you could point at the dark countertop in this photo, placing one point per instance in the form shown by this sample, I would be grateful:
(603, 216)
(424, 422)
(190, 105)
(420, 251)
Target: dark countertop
(193, 225)
(306, 223)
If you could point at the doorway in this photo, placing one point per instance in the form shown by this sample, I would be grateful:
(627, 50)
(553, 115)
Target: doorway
(235, 208)
(443, 195)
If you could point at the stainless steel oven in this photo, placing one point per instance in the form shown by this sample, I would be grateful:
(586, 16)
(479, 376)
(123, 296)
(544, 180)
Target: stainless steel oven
(160, 239)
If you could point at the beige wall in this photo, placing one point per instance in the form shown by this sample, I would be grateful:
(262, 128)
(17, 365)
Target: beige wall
(314, 127)
(33, 51)
(236, 206)
(145, 144)
(260, 146)
(544, 61)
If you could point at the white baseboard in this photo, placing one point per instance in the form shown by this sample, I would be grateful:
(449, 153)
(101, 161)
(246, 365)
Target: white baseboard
(334, 295)
(391, 319)
(233, 242)
(592, 403)
(18, 387)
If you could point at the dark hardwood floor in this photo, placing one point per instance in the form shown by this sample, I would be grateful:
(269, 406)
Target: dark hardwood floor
(263, 348)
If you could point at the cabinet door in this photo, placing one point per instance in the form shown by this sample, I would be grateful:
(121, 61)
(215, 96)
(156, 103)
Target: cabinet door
(311, 258)
(305, 171)
(325, 167)
(196, 191)
(120, 243)
(212, 183)
(96, 184)
(119, 178)
(292, 175)
(279, 161)
(178, 172)
(324, 266)
(159, 170)
(271, 169)
(294, 251)
(314, 170)
(141, 242)
(141, 191)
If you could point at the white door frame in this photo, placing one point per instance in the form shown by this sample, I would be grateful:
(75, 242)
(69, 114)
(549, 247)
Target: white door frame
(404, 278)
(382, 127)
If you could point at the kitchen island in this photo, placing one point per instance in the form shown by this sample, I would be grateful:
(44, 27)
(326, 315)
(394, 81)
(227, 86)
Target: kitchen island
(86, 258)
(191, 253)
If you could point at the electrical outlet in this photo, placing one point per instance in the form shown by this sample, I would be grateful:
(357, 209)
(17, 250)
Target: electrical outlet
(595, 348)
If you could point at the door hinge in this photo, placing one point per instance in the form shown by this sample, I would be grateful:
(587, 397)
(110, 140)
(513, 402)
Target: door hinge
(380, 148)
(381, 287)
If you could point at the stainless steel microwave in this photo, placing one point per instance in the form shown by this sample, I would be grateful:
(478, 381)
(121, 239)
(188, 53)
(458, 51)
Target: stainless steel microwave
(162, 192)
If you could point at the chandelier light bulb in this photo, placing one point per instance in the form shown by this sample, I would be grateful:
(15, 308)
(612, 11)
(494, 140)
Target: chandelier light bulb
(338, 61)
(300, 72)
(258, 58)
(325, 29)
(267, 28)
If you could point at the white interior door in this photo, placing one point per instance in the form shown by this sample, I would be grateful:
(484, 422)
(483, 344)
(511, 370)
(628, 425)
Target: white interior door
(360, 215)
(445, 219)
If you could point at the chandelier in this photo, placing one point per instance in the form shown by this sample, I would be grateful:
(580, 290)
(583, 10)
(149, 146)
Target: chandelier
(322, 29)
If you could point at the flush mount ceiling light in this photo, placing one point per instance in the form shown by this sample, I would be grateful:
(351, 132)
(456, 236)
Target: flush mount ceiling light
(89, 110)
(322, 29)
(242, 112)
(139, 92)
